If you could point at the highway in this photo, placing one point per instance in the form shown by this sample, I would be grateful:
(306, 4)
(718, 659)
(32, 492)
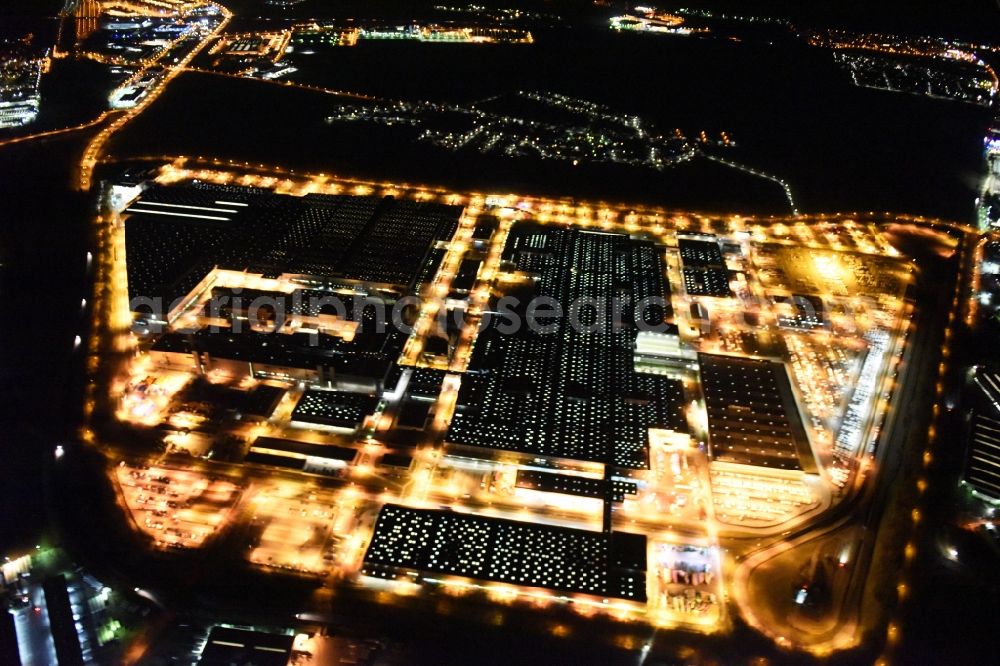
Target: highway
(54, 132)
(92, 153)
(866, 504)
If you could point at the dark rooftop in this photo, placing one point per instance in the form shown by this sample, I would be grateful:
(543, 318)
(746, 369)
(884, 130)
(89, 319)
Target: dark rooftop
(567, 484)
(485, 227)
(701, 253)
(400, 460)
(9, 653)
(262, 400)
(61, 623)
(174, 235)
(425, 383)
(242, 647)
(465, 277)
(572, 391)
(982, 468)
(334, 408)
(752, 415)
(706, 281)
(413, 414)
(558, 558)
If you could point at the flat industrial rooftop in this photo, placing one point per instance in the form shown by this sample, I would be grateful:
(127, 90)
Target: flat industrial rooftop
(571, 391)
(752, 416)
(507, 551)
(175, 234)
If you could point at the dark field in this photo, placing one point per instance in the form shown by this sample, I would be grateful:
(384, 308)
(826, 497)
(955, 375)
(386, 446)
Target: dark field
(790, 110)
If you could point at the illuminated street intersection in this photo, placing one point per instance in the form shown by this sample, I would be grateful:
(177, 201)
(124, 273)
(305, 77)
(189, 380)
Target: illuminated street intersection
(528, 399)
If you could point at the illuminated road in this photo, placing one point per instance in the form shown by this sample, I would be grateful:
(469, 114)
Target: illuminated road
(364, 491)
(871, 493)
(950, 377)
(95, 149)
(55, 132)
(287, 84)
(760, 174)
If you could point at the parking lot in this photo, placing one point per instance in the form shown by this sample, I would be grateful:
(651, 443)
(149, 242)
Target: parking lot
(176, 508)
